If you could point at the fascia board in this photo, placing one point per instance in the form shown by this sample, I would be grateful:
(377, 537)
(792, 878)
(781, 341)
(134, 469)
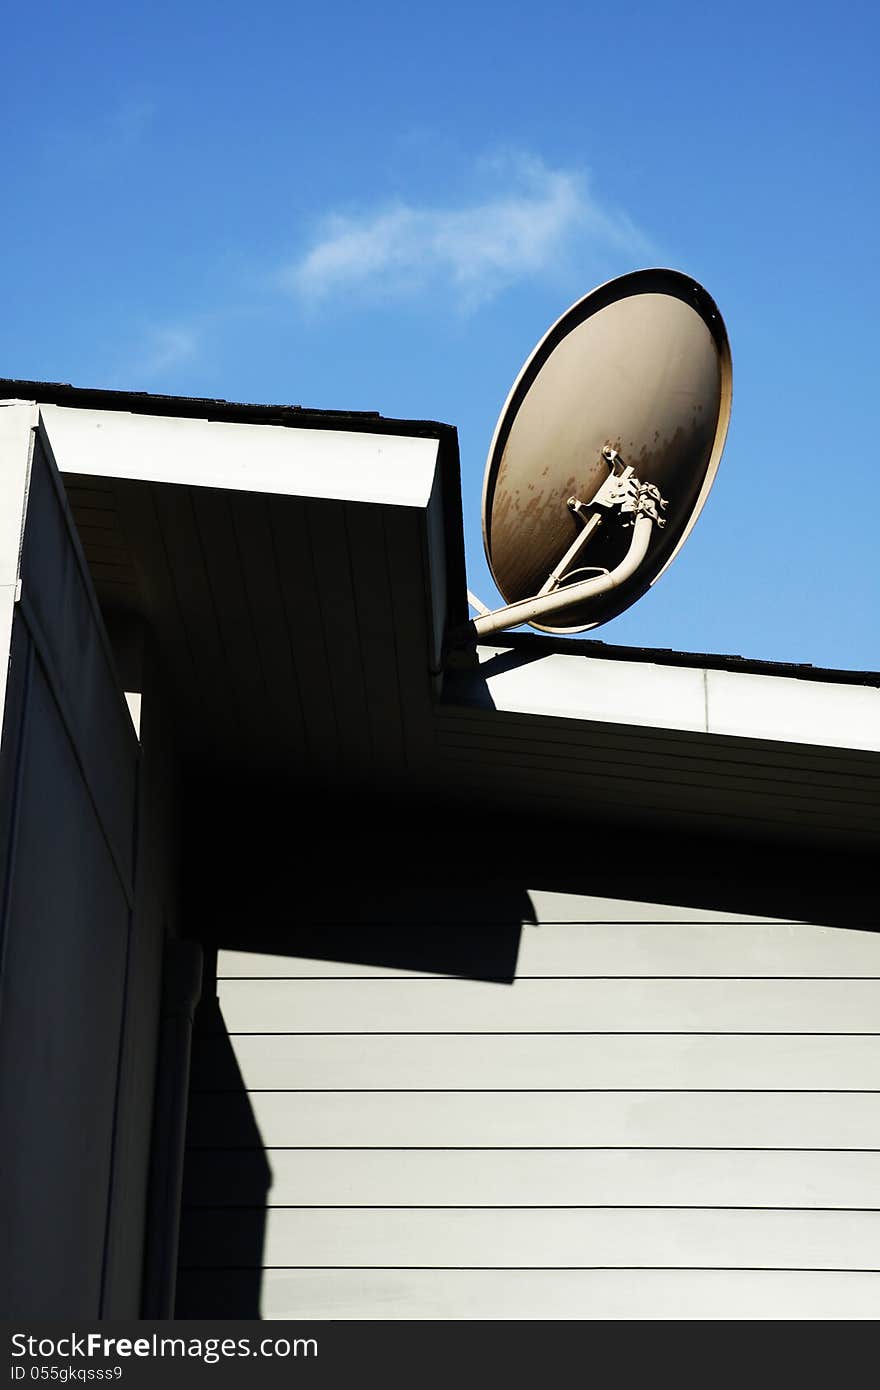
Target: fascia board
(18, 420)
(784, 710)
(722, 703)
(342, 465)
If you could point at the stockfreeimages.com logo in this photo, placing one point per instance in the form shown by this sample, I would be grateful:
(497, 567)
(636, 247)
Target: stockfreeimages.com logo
(208, 1349)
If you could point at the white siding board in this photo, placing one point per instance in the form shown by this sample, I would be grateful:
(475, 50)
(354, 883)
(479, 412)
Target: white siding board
(658, 1085)
(640, 1119)
(543, 1062)
(551, 907)
(550, 1006)
(540, 1238)
(736, 949)
(556, 1177)
(515, 1295)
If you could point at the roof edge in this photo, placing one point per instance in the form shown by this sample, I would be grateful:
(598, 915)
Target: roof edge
(666, 656)
(291, 416)
(209, 408)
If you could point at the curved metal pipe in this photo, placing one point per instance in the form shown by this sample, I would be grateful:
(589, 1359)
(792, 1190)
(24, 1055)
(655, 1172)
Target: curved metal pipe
(528, 609)
(181, 990)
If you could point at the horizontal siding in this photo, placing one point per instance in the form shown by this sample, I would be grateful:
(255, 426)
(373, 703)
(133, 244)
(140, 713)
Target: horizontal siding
(556, 1005)
(549, 907)
(643, 1119)
(741, 949)
(579, 1177)
(519, 1238)
(542, 1062)
(542, 1294)
(649, 1090)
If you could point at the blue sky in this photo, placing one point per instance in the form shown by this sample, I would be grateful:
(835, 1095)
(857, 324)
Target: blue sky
(384, 207)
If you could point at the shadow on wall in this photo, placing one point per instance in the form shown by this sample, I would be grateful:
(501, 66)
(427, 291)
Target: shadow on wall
(736, 876)
(226, 1168)
(436, 891)
(380, 889)
(401, 887)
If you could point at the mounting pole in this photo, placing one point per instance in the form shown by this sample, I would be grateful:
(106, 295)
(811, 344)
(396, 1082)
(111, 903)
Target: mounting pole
(640, 505)
(542, 605)
(591, 526)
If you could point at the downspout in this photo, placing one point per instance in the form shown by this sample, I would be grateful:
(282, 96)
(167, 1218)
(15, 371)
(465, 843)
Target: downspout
(181, 990)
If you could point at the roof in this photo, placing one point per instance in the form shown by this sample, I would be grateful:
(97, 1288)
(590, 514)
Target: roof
(214, 408)
(292, 416)
(300, 575)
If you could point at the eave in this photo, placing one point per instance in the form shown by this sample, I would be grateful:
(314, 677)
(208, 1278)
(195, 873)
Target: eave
(299, 571)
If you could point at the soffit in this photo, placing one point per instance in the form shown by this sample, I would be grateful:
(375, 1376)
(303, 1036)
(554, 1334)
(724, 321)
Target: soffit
(701, 750)
(298, 631)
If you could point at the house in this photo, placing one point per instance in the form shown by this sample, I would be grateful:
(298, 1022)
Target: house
(348, 976)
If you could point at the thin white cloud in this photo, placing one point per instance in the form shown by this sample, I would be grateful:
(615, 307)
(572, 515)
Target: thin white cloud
(161, 352)
(170, 347)
(542, 218)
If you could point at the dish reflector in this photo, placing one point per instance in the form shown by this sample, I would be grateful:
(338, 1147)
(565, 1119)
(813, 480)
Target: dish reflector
(620, 412)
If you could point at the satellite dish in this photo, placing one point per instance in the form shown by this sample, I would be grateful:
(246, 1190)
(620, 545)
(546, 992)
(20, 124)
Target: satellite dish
(605, 452)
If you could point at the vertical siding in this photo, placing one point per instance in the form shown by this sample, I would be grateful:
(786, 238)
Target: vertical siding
(665, 1112)
(69, 789)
